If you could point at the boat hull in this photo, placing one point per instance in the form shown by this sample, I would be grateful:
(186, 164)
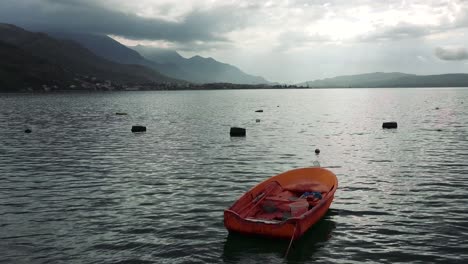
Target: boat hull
(293, 227)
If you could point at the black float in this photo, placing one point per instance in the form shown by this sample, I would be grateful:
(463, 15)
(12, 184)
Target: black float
(138, 129)
(390, 125)
(237, 132)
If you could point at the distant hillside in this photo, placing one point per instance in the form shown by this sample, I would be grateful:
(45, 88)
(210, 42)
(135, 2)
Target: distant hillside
(394, 79)
(112, 50)
(68, 58)
(19, 69)
(198, 69)
(168, 62)
(103, 46)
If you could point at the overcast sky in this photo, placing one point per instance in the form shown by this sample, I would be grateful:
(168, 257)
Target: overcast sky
(286, 41)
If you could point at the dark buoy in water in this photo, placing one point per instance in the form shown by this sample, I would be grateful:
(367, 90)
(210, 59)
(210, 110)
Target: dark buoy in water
(27, 131)
(138, 129)
(259, 111)
(257, 120)
(317, 151)
(437, 108)
(237, 132)
(390, 125)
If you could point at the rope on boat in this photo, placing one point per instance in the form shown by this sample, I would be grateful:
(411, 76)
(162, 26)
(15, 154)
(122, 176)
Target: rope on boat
(290, 242)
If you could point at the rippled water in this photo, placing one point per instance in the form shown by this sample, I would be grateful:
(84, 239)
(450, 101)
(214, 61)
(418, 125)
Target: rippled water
(81, 188)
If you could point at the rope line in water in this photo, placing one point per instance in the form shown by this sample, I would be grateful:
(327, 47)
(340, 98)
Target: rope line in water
(290, 242)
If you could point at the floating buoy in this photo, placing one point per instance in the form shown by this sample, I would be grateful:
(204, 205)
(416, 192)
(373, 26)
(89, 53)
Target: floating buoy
(27, 131)
(138, 129)
(257, 120)
(237, 132)
(389, 125)
(259, 111)
(437, 108)
(317, 151)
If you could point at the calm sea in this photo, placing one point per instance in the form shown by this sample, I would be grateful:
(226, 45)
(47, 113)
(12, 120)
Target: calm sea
(81, 188)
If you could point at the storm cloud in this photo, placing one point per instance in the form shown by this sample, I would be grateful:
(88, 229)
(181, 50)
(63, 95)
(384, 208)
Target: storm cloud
(451, 53)
(93, 17)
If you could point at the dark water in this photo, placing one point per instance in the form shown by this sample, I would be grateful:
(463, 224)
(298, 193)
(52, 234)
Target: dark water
(81, 188)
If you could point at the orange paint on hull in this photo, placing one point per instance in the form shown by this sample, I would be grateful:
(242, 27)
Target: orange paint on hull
(246, 216)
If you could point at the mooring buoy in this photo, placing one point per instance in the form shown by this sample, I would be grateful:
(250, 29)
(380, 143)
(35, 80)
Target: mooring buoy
(138, 129)
(237, 132)
(390, 125)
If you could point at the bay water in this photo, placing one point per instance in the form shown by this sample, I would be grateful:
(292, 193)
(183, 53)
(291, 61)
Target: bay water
(81, 188)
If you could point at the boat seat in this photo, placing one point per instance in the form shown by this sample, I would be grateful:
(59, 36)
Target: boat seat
(282, 197)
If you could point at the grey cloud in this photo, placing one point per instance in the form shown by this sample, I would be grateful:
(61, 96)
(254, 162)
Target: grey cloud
(398, 32)
(90, 16)
(451, 53)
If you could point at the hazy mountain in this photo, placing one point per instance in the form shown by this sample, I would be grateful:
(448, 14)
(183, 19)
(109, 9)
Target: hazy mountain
(65, 56)
(394, 79)
(103, 46)
(113, 50)
(199, 69)
(168, 62)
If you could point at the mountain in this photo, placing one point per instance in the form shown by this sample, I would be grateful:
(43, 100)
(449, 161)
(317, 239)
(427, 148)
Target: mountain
(65, 59)
(393, 79)
(103, 46)
(198, 69)
(113, 50)
(19, 69)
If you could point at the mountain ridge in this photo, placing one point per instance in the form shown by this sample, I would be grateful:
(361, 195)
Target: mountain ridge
(169, 62)
(390, 79)
(65, 60)
(199, 69)
(68, 56)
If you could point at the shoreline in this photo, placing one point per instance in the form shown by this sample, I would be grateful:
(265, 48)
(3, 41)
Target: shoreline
(220, 89)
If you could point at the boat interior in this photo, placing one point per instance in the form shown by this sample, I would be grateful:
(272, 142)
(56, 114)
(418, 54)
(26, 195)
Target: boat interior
(276, 203)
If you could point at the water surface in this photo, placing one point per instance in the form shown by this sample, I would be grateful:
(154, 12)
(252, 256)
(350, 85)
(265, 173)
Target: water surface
(81, 188)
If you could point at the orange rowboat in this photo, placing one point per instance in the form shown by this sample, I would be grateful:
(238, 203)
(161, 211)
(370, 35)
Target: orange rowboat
(285, 205)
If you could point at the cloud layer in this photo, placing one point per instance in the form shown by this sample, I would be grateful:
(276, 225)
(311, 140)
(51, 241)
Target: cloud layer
(92, 16)
(451, 53)
(253, 34)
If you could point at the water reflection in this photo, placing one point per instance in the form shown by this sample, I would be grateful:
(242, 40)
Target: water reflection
(241, 248)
